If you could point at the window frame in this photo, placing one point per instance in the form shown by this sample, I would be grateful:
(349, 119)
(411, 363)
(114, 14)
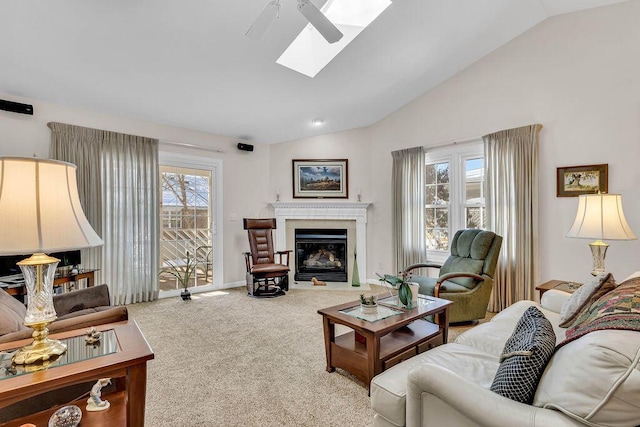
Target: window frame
(456, 155)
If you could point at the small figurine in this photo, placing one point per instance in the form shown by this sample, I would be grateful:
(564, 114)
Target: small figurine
(92, 336)
(95, 403)
(317, 282)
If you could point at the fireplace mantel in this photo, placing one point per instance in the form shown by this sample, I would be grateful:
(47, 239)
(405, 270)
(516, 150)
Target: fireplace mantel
(325, 210)
(320, 204)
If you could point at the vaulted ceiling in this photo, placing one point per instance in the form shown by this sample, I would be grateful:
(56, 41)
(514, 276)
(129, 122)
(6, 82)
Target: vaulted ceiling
(188, 63)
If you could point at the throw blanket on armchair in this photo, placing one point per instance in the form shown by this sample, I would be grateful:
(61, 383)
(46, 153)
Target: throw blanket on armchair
(617, 309)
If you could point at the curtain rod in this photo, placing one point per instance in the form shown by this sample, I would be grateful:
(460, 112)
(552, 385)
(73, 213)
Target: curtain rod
(194, 146)
(455, 142)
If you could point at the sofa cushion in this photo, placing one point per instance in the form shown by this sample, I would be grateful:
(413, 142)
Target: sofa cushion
(389, 389)
(94, 296)
(586, 295)
(492, 336)
(12, 314)
(524, 357)
(86, 311)
(595, 378)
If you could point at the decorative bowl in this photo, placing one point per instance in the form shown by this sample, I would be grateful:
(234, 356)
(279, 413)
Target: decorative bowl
(67, 416)
(368, 308)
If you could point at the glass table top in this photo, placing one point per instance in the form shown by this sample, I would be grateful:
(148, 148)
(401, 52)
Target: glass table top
(395, 301)
(382, 313)
(77, 350)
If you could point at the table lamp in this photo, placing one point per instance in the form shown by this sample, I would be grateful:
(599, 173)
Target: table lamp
(40, 212)
(599, 217)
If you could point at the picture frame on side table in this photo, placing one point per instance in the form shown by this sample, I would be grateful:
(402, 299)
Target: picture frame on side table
(320, 179)
(573, 181)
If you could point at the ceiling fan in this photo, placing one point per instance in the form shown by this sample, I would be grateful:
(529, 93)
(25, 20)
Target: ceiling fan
(316, 18)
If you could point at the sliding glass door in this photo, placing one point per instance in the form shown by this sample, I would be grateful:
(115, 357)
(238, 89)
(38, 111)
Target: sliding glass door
(188, 212)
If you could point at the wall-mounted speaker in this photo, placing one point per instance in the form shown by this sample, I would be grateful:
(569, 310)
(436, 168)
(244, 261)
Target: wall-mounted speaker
(245, 147)
(16, 107)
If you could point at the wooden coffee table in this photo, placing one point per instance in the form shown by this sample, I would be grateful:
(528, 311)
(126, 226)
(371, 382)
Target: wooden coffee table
(375, 345)
(126, 365)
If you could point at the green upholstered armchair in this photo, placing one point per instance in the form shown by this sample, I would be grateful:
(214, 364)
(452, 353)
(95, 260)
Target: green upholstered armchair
(466, 277)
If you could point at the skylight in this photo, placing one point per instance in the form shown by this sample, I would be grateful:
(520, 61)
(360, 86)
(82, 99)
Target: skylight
(309, 53)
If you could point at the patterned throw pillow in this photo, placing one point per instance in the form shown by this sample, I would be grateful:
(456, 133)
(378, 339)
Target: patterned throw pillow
(524, 357)
(586, 295)
(618, 309)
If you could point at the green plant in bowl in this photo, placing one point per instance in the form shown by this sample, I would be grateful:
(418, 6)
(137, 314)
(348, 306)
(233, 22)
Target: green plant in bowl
(370, 300)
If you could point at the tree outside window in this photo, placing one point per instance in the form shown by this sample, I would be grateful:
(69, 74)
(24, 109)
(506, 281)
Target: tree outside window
(437, 206)
(454, 194)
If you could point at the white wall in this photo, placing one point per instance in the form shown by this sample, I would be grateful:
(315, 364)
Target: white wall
(244, 172)
(577, 75)
(352, 145)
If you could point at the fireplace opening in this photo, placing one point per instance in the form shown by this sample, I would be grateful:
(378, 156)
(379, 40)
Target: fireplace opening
(321, 253)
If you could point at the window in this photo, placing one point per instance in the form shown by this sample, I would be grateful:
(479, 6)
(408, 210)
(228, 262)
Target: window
(454, 194)
(474, 209)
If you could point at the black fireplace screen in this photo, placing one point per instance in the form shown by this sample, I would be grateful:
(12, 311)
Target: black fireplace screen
(321, 253)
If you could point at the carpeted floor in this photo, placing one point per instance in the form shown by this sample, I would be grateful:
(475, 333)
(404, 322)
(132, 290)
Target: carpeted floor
(225, 359)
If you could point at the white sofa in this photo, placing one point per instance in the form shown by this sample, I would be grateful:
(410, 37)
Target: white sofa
(594, 380)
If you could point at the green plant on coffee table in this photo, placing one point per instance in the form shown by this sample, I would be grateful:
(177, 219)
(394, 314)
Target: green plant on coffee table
(401, 283)
(370, 300)
(183, 270)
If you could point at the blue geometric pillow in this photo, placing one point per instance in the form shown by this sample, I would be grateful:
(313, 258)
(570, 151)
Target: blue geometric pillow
(524, 357)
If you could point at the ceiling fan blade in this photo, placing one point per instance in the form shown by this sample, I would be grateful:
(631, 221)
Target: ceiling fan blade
(319, 21)
(262, 23)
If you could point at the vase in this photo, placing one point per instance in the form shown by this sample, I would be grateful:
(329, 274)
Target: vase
(411, 300)
(414, 293)
(185, 295)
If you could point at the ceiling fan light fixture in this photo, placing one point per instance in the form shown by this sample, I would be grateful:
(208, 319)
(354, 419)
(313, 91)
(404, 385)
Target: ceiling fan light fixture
(319, 21)
(260, 26)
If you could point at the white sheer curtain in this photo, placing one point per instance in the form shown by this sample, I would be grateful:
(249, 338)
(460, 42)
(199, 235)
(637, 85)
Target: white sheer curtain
(511, 159)
(408, 185)
(118, 185)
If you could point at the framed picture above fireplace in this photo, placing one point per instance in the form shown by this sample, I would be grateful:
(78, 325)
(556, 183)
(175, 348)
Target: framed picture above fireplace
(319, 179)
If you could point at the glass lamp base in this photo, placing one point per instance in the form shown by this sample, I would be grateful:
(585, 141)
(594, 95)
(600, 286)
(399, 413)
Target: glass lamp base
(598, 253)
(38, 271)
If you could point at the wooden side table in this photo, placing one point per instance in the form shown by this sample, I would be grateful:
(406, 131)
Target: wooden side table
(127, 366)
(19, 289)
(561, 285)
(88, 274)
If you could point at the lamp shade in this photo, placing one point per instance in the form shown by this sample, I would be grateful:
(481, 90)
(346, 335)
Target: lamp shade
(600, 216)
(40, 210)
